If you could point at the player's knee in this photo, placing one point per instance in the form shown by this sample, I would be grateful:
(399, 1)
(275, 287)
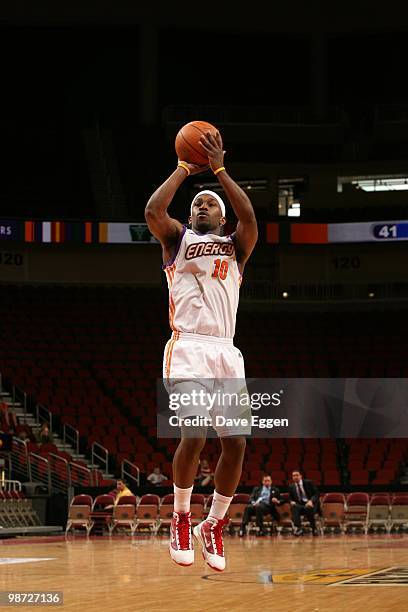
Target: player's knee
(192, 445)
(233, 447)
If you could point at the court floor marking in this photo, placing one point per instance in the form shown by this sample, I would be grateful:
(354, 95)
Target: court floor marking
(349, 581)
(17, 560)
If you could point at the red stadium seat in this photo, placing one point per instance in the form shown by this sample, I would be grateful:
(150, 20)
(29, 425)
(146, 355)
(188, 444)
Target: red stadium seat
(124, 514)
(148, 512)
(166, 510)
(237, 508)
(333, 511)
(79, 516)
(356, 514)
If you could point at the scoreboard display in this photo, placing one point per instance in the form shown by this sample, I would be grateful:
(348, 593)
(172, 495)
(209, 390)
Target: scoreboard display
(367, 231)
(397, 230)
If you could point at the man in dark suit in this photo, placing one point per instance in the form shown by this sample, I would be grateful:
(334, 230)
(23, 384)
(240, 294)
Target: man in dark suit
(263, 500)
(304, 499)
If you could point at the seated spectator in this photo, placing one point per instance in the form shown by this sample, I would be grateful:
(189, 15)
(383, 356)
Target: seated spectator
(304, 499)
(8, 416)
(205, 475)
(156, 477)
(121, 491)
(263, 500)
(44, 436)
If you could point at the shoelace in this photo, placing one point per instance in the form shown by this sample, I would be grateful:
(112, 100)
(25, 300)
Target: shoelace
(216, 531)
(183, 529)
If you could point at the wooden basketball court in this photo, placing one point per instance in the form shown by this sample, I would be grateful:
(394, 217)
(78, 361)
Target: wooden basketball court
(285, 574)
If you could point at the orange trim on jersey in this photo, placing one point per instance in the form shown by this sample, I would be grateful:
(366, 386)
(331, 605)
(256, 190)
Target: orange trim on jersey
(170, 272)
(172, 312)
(174, 339)
(170, 317)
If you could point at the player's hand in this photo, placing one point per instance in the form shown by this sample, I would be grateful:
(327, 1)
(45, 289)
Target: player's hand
(292, 503)
(275, 500)
(309, 504)
(213, 146)
(195, 168)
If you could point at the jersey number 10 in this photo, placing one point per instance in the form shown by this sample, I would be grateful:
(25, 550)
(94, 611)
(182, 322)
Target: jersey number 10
(220, 269)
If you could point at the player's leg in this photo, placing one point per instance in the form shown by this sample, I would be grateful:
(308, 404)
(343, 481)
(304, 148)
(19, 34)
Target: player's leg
(229, 467)
(187, 359)
(248, 514)
(296, 514)
(274, 512)
(227, 476)
(261, 510)
(310, 515)
(185, 464)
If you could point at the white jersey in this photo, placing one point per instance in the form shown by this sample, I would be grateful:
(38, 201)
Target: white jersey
(204, 281)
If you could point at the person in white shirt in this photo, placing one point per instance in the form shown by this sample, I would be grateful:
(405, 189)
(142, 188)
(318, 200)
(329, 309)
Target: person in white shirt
(156, 477)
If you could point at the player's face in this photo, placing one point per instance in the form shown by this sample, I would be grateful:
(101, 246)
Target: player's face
(267, 481)
(297, 476)
(206, 215)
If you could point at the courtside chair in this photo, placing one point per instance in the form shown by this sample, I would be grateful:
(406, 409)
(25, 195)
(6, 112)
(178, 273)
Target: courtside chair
(147, 513)
(333, 508)
(356, 513)
(166, 510)
(197, 503)
(399, 511)
(124, 514)
(101, 513)
(237, 508)
(379, 512)
(285, 515)
(79, 516)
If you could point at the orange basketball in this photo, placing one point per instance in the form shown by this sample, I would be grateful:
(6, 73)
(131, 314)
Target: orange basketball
(188, 147)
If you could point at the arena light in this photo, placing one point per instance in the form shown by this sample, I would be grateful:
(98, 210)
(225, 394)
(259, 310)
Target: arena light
(294, 209)
(372, 183)
(255, 185)
(396, 184)
(285, 294)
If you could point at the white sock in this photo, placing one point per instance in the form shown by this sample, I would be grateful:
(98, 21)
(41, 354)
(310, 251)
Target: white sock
(219, 506)
(182, 499)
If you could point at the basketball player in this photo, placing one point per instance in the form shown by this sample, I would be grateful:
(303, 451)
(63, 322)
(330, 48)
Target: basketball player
(204, 271)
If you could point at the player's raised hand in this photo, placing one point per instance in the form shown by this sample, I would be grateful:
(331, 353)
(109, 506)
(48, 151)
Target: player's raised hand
(214, 148)
(192, 168)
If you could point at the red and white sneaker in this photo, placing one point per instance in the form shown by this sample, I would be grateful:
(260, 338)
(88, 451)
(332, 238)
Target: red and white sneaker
(209, 534)
(181, 545)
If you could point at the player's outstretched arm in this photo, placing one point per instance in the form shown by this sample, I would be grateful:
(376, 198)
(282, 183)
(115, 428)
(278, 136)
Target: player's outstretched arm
(162, 226)
(247, 229)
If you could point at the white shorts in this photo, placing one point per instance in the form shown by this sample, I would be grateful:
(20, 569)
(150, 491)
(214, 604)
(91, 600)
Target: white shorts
(215, 366)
